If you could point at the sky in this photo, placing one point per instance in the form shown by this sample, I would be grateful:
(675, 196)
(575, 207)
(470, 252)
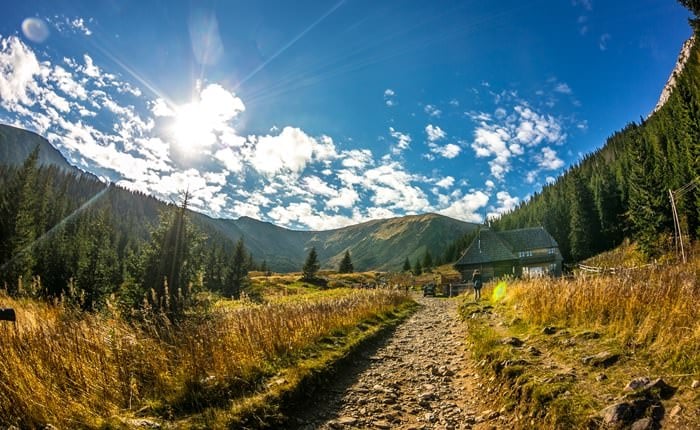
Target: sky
(322, 114)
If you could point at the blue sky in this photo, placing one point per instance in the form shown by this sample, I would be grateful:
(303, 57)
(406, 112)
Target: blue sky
(316, 115)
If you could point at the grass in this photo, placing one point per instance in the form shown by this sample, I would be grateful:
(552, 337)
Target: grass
(70, 369)
(649, 316)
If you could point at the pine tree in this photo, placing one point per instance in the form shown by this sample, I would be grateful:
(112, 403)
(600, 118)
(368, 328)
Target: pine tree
(346, 264)
(406, 265)
(311, 266)
(238, 271)
(417, 269)
(22, 255)
(427, 261)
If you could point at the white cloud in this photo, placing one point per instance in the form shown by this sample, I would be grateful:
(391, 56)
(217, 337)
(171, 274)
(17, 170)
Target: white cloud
(434, 133)
(534, 128)
(403, 140)
(563, 88)
(603, 42)
(304, 214)
(445, 182)
(454, 103)
(317, 186)
(549, 160)
(229, 159)
(432, 111)
(392, 186)
(291, 150)
(90, 68)
(506, 203)
(346, 198)
(79, 25)
(467, 207)
(356, 158)
(18, 67)
(447, 151)
(389, 97)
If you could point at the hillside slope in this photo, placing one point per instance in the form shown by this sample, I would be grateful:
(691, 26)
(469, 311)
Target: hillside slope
(374, 245)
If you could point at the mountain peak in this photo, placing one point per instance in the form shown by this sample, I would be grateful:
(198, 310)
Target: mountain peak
(671, 82)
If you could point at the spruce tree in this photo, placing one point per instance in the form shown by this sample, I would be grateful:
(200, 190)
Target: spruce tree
(311, 266)
(427, 261)
(346, 264)
(238, 271)
(417, 269)
(406, 265)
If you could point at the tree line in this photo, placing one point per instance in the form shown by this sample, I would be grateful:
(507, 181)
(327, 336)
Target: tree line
(66, 233)
(622, 189)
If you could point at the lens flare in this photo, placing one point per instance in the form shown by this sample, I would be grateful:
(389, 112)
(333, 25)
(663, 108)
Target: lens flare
(499, 292)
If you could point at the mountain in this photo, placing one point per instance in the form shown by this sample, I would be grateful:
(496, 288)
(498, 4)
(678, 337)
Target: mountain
(16, 144)
(374, 245)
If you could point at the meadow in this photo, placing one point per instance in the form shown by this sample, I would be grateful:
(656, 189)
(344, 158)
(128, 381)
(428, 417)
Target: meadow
(69, 368)
(646, 318)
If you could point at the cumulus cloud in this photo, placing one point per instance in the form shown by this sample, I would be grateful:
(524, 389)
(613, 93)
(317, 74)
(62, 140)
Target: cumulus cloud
(548, 160)
(505, 203)
(447, 151)
(505, 136)
(603, 41)
(403, 141)
(389, 97)
(432, 111)
(434, 133)
(445, 182)
(18, 68)
(467, 207)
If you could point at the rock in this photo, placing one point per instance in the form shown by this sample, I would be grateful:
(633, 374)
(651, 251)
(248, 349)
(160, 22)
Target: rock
(385, 425)
(601, 377)
(618, 414)
(143, 423)
(589, 335)
(512, 341)
(695, 384)
(636, 383)
(534, 351)
(644, 424)
(549, 330)
(675, 411)
(602, 359)
(660, 387)
(346, 421)
(430, 417)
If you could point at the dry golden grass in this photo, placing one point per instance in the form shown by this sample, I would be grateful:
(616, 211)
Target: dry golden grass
(72, 369)
(655, 309)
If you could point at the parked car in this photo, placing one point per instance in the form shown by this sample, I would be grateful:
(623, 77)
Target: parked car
(429, 290)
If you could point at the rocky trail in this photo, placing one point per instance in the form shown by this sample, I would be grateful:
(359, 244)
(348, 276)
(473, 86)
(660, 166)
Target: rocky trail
(418, 377)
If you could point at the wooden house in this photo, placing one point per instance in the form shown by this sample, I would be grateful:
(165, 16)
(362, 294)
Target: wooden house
(528, 252)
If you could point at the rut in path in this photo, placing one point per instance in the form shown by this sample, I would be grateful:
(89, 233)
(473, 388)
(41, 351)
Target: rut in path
(417, 379)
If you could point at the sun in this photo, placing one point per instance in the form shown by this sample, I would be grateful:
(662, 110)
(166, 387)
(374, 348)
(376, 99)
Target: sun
(196, 124)
(193, 129)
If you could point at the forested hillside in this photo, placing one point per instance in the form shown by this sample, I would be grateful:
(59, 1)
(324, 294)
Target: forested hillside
(622, 190)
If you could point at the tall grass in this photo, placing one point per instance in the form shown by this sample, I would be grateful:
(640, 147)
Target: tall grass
(73, 369)
(653, 308)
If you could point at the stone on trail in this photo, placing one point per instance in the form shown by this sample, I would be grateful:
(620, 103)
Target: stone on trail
(346, 421)
(636, 383)
(695, 384)
(602, 359)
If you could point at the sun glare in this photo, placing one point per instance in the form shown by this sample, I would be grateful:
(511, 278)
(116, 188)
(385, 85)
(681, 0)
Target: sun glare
(197, 123)
(193, 129)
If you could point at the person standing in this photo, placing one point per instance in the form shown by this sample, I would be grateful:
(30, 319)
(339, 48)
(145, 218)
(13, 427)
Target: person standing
(476, 281)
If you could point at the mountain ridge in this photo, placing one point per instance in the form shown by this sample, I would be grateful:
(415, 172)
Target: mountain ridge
(380, 244)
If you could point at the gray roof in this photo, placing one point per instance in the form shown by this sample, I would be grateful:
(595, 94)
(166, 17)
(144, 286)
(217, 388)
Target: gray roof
(490, 246)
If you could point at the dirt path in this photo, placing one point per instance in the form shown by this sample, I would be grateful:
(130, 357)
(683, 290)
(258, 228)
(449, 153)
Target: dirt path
(417, 378)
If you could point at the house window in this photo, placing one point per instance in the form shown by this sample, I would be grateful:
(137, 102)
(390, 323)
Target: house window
(522, 254)
(552, 251)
